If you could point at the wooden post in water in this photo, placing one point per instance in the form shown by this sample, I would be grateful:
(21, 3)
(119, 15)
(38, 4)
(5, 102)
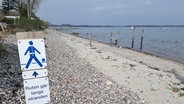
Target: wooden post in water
(90, 44)
(133, 33)
(111, 38)
(142, 35)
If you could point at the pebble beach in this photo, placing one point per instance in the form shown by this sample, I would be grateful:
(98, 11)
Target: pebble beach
(100, 74)
(72, 80)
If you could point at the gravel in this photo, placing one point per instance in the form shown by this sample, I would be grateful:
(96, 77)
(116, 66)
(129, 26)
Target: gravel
(72, 80)
(11, 86)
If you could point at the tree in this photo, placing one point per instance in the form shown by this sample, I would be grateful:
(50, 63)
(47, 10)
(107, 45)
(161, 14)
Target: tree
(32, 6)
(26, 10)
(8, 5)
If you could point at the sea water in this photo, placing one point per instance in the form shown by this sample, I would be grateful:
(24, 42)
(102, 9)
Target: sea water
(166, 42)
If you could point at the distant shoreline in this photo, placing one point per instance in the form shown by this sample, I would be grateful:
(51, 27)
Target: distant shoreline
(70, 25)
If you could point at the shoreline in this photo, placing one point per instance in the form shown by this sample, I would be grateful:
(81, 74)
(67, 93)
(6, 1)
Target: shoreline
(158, 41)
(79, 73)
(144, 52)
(148, 76)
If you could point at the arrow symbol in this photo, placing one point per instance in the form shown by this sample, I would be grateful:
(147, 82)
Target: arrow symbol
(35, 74)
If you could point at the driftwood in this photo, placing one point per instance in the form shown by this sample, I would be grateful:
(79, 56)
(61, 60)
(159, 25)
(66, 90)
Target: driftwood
(4, 28)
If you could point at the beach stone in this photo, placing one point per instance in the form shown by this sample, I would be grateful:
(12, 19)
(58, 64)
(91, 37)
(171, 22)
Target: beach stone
(72, 80)
(109, 82)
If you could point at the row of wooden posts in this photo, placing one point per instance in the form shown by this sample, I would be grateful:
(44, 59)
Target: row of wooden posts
(113, 41)
(142, 36)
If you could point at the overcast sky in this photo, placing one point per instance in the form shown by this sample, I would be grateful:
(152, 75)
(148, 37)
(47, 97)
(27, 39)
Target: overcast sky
(112, 12)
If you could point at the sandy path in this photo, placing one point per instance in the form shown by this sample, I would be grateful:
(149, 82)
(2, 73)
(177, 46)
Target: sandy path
(147, 75)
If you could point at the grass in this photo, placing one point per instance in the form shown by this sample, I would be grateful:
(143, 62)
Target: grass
(181, 94)
(176, 90)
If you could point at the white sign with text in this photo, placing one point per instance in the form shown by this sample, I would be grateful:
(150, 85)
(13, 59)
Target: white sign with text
(37, 91)
(33, 64)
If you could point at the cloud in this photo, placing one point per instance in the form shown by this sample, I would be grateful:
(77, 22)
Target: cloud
(147, 2)
(1, 2)
(121, 7)
(108, 8)
(102, 11)
(100, 8)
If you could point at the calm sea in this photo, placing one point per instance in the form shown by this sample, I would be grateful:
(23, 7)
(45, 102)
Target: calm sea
(166, 42)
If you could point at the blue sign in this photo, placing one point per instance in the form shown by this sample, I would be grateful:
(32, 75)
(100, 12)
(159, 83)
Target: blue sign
(32, 54)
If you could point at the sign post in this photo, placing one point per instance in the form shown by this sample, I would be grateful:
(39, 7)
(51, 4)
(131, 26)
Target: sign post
(33, 64)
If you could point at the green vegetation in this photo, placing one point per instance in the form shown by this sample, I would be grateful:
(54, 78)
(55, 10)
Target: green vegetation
(181, 94)
(26, 20)
(30, 24)
(9, 21)
(25, 12)
(177, 90)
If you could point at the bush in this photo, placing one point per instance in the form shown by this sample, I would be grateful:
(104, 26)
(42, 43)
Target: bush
(9, 21)
(24, 23)
(30, 24)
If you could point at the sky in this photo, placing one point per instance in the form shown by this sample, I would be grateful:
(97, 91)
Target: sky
(112, 12)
